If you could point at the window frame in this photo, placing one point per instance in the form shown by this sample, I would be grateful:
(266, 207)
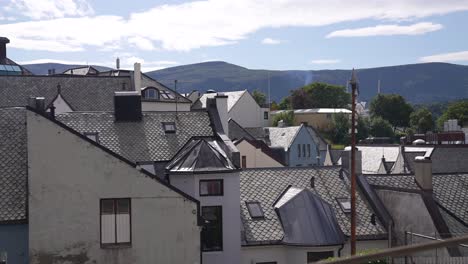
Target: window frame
(96, 134)
(250, 211)
(308, 150)
(299, 150)
(164, 124)
(147, 91)
(244, 162)
(211, 180)
(221, 227)
(339, 200)
(304, 150)
(116, 244)
(265, 115)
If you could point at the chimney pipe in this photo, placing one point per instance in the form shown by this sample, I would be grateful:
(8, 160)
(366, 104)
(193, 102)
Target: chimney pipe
(346, 160)
(3, 42)
(117, 63)
(423, 172)
(137, 76)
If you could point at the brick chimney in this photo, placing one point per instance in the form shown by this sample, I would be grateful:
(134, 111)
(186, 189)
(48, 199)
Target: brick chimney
(423, 172)
(3, 42)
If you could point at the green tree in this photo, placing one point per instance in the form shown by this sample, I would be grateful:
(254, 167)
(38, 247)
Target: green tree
(457, 110)
(285, 103)
(339, 134)
(320, 95)
(274, 106)
(421, 120)
(380, 127)
(391, 107)
(363, 128)
(286, 116)
(259, 97)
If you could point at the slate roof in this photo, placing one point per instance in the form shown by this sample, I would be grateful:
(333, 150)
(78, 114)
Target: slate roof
(266, 185)
(335, 155)
(372, 156)
(445, 158)
(256, 132)
(202, 155)
(233, 97)
(82, 93)
(282, 136)
(13, 165)
(450, 190)
(236, 131)
(145, 140)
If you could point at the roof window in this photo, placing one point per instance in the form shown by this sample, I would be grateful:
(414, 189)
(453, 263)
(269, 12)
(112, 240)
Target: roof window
(255, 209)
(94, 136)
(169, 127)
(166, 95)
(345, 204)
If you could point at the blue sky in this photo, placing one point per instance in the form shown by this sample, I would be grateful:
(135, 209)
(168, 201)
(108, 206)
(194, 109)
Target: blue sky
(260, 34)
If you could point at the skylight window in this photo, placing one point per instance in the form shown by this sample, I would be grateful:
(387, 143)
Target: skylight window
(166, 95)
(255, 209)
(345, 204)
(169, 127)
(94, 136)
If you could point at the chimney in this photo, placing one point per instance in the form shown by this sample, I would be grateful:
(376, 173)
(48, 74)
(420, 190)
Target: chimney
(37, 103)
(423, 172)
(117, 63)
(137, 77)
(127, 106)
(3, 42)
(346, 160)
(218, 106)
(281, 123)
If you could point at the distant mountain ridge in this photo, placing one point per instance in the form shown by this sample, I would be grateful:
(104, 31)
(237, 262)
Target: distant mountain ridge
(43, 68)
(418, 83)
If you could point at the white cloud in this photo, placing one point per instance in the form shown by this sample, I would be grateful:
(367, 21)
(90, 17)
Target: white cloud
(47, 9)
(387, 30)
(270, 41)
(192, 25)
(446, 57)
(325, 61)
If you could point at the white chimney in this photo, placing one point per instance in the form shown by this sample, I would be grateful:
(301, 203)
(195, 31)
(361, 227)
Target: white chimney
(137, 76)
(423, 172)
(117, 63)
(221, 105)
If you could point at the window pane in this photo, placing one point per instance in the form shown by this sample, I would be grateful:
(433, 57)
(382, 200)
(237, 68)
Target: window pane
(211, 187)
(244, 162)
(212, 234)
(303, 151)
(123, 228)
(107, 228)
(308, 150)
(107, 206)
(123, 206)
(299, 150)
(255, 209)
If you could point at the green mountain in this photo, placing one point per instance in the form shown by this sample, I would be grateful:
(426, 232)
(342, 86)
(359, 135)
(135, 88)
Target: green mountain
(418, 83)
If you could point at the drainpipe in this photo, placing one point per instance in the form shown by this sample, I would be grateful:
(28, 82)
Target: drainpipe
(339, 250)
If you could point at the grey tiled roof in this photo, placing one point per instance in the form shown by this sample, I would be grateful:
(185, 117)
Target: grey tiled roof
(450, 190)
(451, 159)
(282, 136)
(13, 164)
(82, 93)
(266, 185)
(145, 140)
(233, 97)
(372, 156)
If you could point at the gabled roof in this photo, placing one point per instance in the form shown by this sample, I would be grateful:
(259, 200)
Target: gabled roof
(335, 155)
(445, 158)
(266, 185)
(233, 98)
(13, 165)
(145, 140)
(82, 70)
(318, 139)
(372, 156)
(82, 93)
(258, 144)
(282, 136)
(201, 155)
(237, 132)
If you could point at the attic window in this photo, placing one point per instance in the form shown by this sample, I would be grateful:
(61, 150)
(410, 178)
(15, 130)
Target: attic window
(255, 210)
(166, 95)
(169, 127)
(151, 93)
(345, 204)
(94, 136)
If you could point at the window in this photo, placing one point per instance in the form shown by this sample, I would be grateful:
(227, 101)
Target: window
(303, 151)
(166, 95)
(255, 209)
(115, 222)
(3, 257)
(308, 150)
(345, 204)
(151, 93)
(212, 233)
(299, 150)
(169, 127)
(316, 256)
(265, 115)
(244, 162)
(94, 136)
(211, 187)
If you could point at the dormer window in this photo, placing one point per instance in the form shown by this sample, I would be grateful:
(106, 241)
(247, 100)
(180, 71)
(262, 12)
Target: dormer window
(151, 93)
(255, 209)
(94, 136)
(345, 204)
(169, 127)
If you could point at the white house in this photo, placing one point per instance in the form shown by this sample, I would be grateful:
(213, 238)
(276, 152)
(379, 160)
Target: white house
(242, 108)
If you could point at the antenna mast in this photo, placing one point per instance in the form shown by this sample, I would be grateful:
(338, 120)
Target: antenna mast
(269, 93)
(176, 98)
(353, 83)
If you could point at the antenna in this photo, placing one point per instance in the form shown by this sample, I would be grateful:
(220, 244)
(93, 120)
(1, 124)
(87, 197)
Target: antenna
(176, 98)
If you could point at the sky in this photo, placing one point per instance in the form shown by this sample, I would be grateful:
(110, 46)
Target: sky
(257, 34)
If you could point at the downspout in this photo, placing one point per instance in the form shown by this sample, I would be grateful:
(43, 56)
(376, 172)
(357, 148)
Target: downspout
(339, 250)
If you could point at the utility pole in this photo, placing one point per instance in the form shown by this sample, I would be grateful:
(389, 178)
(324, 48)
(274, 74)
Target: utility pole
(353, 83)
(176, 98)
(269, 93)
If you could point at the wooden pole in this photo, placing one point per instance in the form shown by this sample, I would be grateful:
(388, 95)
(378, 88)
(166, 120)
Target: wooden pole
(353, 83)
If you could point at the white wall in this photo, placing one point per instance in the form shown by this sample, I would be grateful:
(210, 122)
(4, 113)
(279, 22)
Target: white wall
(247, 112)
(61, 106)
(255, 157)
(67, 178)
(230, 202)
(281, 254)
(164, 106)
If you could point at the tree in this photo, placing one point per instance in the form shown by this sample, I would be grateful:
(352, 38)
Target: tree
(274, 106)
(285, 103)
(259, 97)
(319, 95)
(286, 116)
(339, 134)
(363, 128)
(380, 127)
(421, 120)
(457, 110)
(391, 107)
